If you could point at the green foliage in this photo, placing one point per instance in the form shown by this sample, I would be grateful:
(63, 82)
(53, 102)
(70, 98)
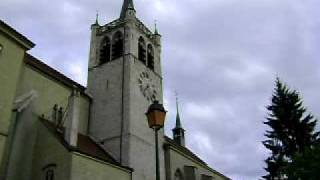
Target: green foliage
(291, 131)
(305, 165)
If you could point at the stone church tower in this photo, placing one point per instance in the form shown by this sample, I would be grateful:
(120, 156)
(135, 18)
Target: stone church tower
(124, 78)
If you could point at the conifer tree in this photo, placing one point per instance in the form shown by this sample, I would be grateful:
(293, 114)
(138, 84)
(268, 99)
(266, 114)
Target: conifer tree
(291, 130)
(305, 165)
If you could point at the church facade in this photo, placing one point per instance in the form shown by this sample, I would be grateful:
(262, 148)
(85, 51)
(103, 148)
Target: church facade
(53, 128)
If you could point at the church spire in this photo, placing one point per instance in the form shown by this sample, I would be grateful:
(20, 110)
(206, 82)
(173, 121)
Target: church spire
(97, 18)
(155, 28)
(126, 6)
(178, 131)
(178, 121)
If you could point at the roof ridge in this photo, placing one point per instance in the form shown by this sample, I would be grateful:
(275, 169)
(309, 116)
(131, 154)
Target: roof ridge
(53, 73)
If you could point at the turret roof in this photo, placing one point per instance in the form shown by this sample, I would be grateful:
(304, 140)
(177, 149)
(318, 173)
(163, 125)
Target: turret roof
(127, 4)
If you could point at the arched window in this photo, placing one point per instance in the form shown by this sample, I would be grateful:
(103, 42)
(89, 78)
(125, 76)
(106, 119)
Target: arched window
(150, 56)
(117, 45)
(142, 50)
(178, 175)
(105, 50)
(49, 171)
(50, 174)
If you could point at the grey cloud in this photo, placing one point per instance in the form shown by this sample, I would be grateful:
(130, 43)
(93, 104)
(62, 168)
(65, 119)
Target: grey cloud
(222, 56)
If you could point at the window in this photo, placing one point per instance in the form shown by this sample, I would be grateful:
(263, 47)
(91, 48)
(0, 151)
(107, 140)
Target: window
(117, 45)
(50, 174)
(142, 50)
(190, 172)
(49, 171)
(178, 175)
(105, 51)
(150, 57)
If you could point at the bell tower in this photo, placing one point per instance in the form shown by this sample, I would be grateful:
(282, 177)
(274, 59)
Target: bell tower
(124, 78)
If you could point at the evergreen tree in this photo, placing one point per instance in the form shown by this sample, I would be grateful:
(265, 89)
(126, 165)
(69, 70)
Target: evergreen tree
(305, 165)
(291, 131)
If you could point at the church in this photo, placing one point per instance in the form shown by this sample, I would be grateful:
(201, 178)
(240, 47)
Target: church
(53, 128)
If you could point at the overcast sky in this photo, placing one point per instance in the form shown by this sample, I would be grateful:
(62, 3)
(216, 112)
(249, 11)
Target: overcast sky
(222, 56)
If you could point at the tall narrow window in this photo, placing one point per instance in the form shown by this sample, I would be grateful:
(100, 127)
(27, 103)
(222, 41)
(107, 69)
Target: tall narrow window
(105, 50)
(150, 57)
(117, 45)
(142, 50)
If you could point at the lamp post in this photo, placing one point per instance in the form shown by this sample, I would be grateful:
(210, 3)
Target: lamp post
(156, 116)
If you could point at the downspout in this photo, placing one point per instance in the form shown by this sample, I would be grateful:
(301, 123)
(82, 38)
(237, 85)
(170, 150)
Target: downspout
(89, 116)
(122, 97)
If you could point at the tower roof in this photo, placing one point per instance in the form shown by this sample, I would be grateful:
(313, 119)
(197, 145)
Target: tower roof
(178, 121)
(127, 4)
(97, 19)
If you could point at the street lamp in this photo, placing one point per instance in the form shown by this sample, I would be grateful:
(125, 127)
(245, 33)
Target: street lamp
(156, 116)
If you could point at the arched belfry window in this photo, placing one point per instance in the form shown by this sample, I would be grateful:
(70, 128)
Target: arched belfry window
(142, 50)
(178, 175)
(150, 55)
(105, 50)
(117, 45)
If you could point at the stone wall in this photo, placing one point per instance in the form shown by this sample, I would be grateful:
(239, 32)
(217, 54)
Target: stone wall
(84, 168)
(50, 151)
(11, 62)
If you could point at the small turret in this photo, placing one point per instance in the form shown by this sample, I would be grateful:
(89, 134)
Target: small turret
(93, 45)
(128, 10)
(156, 34)
(178, 131)
(96, 23)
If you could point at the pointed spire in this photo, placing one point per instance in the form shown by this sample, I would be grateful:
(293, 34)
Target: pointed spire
(155, 27)
(178, 131)
(97, 17)
(178, 121)
(127, 5)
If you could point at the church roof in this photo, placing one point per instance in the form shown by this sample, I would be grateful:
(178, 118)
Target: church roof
(170, 142)
(85, 145)
(15, 35)
(52, 73)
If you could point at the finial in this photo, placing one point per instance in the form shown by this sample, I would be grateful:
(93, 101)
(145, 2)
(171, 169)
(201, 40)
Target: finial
(155, 27)
(97, 17)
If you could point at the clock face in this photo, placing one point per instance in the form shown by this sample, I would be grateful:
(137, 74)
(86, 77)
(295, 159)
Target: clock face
(147, 88)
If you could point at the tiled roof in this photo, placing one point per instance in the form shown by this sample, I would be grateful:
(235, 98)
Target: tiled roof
(85, 145)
